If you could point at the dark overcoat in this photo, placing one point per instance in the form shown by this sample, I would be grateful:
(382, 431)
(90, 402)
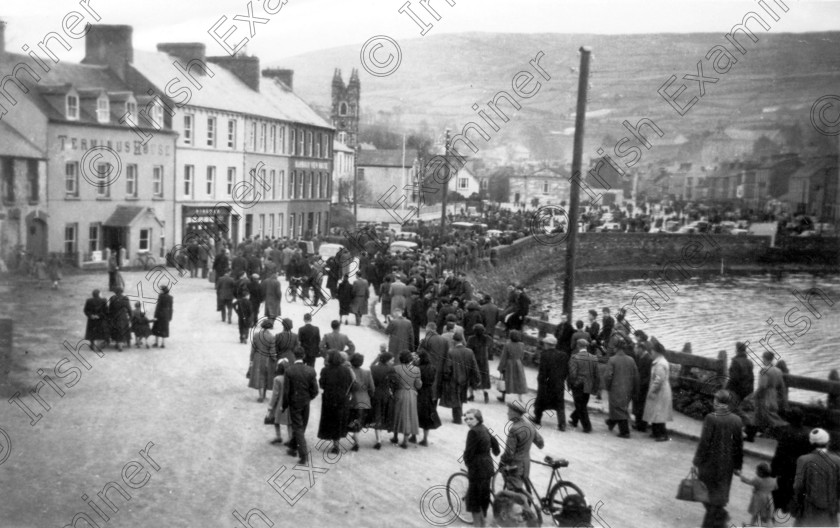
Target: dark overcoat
(96, 310)
(551, 377)
(459, 372)
(622, 381)
(719, 453)
(335, 402)
(401, 336)
(163, 315)
(437, 346)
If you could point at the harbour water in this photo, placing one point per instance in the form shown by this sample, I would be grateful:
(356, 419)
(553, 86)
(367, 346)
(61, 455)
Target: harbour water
(714, 312)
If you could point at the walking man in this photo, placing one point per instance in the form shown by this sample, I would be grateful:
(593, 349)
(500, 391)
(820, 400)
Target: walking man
(583, 381)
(622, 382)
(551, 380)
(309, 336)
(299, 388)
(817, 484)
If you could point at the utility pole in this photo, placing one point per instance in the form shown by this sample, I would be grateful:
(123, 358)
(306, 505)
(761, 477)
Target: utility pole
(445, 188)
(574, 195)
(356, 185)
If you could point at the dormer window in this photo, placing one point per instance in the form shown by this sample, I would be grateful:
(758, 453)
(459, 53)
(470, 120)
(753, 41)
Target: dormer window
(103, 110)
(72, 108)
(157, 115)
(131, 108)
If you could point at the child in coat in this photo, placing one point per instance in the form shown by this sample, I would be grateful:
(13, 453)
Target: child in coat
(140, 325)
(761, 504)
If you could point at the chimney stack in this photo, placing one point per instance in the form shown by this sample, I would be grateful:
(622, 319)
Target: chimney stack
(185, 51)
(287, 76)
(246, 68)
(110, 45)
(2, 37)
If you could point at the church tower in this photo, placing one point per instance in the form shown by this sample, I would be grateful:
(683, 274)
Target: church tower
(345, 107)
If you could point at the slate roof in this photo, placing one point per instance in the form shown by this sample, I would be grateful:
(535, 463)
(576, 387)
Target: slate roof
(386, 158)
(225, 91)
(15, 144)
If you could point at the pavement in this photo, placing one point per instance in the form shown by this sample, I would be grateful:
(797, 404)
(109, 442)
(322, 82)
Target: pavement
(182, 426)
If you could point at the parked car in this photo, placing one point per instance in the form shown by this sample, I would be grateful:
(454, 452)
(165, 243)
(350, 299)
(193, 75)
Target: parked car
(494, 233)
(328, 250)
(609, 226)
(401, 246)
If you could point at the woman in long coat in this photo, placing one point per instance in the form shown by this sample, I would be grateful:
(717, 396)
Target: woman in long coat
(658, 405)
(427, 416)
(119, 318)
(479, 463)
(275, 405)
(385, 383)
(163, 314)
(96, 310)
(511, 368)
(263, 359)
(345, 298)
(480, 344)
(333, 274)
(336, 380)
(405, 399)
(360, 398)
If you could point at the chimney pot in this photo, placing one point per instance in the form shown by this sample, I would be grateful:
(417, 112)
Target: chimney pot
(287, 76)
(185, 51)
(110, 45)
(247, 69)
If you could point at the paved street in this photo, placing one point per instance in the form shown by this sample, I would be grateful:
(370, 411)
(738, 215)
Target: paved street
(211, 454)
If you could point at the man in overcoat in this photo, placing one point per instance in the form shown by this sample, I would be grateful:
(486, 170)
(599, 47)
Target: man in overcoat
(460, 371)
(551, 379)
(271, 295)
(309, 336)
(299, 388)
(96, 311)
(335, 340)
(816, 487)
(521, 436)
(361, 294)
(437, 347)
(583, 382)
(401, 334)
(622, 382)
(719, 455)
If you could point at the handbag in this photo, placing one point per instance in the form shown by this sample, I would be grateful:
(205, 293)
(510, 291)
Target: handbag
(692, 489)
(269, 418)
(500, 385)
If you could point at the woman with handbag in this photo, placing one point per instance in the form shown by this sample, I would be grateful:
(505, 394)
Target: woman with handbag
(384, 380)
(360, 398)
(479, 463)
(405, 399)
(263, 359)
(276, 415)
(719, 455)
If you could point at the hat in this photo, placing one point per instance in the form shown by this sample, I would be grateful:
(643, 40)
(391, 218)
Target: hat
(550, 340)
(267, 323)
(819, 437)
(287, 324)
(516, 406)
(582, 342)
(451, 318)
(255, 276)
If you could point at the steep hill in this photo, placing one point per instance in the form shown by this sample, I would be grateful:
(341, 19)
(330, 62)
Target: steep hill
(442, 76)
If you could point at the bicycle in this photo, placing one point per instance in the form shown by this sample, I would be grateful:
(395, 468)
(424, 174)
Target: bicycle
(145, 261)
(556, 502)
(296, 289)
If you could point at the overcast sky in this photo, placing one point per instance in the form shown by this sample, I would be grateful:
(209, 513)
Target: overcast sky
(307, 25)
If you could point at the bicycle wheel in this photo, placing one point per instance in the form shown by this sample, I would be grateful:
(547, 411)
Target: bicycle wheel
(456, 495)
(534, 501)
(290, 294)
(137, 264)
(554, 505)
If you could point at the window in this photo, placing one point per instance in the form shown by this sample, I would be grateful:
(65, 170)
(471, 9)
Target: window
(211, 181)
(292, 178)
(188, 129)
(342, 137)
(280, 224)
(361, 173)
(281, 185)
(271, 225)
(157, 181)
(342, 109)
(272, 139)
(262, 225)
(32, 178)
(72, 108)
(252, 140)
(103, 110)
(293, 145)
(231, 134)
(189, 171)
(320, 138)
(103, 183)
(299, 189)
(545, 187)
(70, 236)
(309, 144)
(463, 183)
(93, 237)
(131, 181)
(301, 138)
(262, 184)
(145, 240)
(71, 179)
(307, 184)
(262, 137)
(292, 225)
(273, 184)
(231, 179)
(157, 115)
(131, 108)
(211, 131)
(283, 140)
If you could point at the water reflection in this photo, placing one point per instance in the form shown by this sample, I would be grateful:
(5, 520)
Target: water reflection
(712, 312)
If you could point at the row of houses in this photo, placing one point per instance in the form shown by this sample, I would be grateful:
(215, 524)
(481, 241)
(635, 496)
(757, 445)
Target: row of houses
(138, 149)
